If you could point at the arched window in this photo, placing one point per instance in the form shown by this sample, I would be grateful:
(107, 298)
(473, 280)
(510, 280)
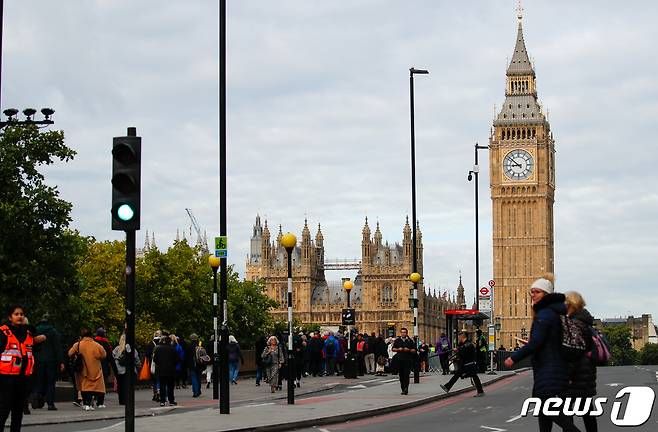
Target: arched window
(387, 294)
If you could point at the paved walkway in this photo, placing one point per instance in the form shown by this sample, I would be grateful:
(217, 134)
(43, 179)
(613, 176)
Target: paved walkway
(319, 401)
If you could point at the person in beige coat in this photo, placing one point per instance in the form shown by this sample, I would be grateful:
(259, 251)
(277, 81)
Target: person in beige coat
(91, 382)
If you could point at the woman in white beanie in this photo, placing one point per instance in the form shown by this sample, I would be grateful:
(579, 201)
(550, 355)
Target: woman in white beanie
(550, 370)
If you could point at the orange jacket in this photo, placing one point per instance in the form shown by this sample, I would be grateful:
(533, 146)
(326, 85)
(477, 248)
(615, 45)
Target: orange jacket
(11, 359)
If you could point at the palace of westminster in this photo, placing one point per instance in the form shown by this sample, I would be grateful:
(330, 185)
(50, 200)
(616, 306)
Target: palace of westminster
(522, 181)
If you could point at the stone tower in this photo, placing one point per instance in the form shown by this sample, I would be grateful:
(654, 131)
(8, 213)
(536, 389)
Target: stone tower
(522, 176)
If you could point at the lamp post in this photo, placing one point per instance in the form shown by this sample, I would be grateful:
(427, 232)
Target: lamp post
(415, 278)
(414, 264)
(348, 285)
(289, 241)
(475, 171)
(350, 369)
(214, 265)
(29, 113)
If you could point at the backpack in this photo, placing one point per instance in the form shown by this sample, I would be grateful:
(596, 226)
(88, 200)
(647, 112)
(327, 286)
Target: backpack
(600, 352)
(330, 348)
(201, 357)
(573, 341)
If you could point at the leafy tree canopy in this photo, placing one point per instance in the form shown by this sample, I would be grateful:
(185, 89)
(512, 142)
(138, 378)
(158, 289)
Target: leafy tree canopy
(620, 342)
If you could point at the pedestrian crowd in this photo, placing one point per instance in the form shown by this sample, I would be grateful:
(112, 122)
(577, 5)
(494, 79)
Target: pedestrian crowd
(563, 344)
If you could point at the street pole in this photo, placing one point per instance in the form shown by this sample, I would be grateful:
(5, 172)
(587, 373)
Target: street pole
(476, 169)
(130, 323)
(414, 252)
(349, 327)
(214, 264)
(289, 241)
(2, 21)
(224, 407)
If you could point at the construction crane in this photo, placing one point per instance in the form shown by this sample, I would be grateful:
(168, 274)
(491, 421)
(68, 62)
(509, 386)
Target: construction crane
(201, 239)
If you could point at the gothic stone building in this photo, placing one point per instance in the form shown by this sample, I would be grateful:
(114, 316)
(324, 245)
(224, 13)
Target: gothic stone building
(381, 286)
(522, 176)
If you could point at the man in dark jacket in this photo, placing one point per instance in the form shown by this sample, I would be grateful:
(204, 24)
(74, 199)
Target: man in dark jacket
(405, 358)
(316, 346)
(165, 358)
(443, 350)
(467, 364)
(550, 370)
(49, 361)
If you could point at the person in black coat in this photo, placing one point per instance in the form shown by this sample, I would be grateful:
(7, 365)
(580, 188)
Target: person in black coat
(582, 371)
(405, 358)
(467, 366)
(550, 370)
(165, 358)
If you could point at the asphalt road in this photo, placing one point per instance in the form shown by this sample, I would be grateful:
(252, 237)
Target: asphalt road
(499, 410)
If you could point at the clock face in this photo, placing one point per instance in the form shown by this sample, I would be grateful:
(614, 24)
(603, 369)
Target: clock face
(518, 164)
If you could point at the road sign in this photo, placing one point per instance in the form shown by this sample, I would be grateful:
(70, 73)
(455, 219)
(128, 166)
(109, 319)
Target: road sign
(485, 305)
(221, 242)
(349, 317)
(492, 283)
(484, 292)
(221, 253)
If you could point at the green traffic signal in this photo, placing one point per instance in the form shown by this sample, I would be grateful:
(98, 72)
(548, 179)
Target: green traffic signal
(125, 212)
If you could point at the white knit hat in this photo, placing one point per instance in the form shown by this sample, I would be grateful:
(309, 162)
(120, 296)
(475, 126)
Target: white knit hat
(544, 285)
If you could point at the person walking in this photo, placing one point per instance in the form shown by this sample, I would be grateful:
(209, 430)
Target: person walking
(582, 370)
(273, 360)
(261, 343)
(361, 351)
(92, 382)
(200, 359)
(316, 348)
(49, 361)
(120, 354)
(405, 358)
(423, 356)
(108, 363)
(165, 358)
(235, 359)
(550, 370)
(330, 351)
(150, 349)
(16, 367)
(467, 364)
(371, 354)
(180, 360)
(443, 349)
(482, 347)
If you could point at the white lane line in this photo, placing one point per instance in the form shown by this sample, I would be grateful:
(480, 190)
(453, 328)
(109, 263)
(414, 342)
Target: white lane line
(494, 429)
(515, 418)
(390, 380)
(369, 381)
(258, 405)
(323, 430)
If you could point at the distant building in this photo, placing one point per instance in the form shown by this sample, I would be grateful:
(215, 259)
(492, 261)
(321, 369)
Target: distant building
(381, 286)
(642, 328)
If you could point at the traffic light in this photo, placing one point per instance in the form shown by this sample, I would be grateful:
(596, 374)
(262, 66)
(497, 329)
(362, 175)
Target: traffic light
(126, 191)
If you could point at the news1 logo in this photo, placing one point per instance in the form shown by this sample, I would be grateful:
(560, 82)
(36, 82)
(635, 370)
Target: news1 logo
(638, 406)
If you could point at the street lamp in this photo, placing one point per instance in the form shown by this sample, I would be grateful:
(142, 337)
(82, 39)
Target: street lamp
(214, 265)
(289, 241)
(29, 113)
(350, 369)
(414, 264)
(415, 278)
(475, 171)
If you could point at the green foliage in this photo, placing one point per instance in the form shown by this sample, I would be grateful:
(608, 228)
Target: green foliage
(649, 355)
(620, 342)
(37, 250)
(173, 293)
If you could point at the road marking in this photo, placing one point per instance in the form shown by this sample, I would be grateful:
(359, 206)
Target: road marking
(360, 386)
(390, 380)
(257, 405)
(323, 430)
(614, 384)
(493, 429)
(369, 381)
(515, 418)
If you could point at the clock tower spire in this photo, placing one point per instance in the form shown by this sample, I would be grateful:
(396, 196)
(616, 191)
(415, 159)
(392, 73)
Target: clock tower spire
(522, 177)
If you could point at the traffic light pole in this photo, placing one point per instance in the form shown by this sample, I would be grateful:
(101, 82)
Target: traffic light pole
(130, 322)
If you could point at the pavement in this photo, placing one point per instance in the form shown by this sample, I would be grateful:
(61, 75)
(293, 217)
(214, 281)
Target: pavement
(320, 401)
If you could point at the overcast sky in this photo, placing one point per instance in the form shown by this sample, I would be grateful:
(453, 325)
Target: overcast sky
(318, 121)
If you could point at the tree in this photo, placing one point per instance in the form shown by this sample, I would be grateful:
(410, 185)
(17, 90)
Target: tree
(37, 250)
(619, 338)
(649, 354)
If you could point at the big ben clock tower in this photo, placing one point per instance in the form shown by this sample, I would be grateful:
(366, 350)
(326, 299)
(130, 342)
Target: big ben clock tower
(522, 176)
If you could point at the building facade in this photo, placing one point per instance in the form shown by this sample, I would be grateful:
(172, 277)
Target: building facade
(643, 330)
(381, 287)
(522, 179)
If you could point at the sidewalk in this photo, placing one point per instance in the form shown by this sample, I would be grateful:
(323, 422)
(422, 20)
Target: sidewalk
(356, 401)
(243, 393)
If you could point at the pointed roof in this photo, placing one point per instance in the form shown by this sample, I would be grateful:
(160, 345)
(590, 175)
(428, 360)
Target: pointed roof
(319, 237)
(366, 229)
(520, 64)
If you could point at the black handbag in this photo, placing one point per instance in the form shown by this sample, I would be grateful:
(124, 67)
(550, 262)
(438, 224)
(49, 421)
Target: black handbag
(76, 361)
